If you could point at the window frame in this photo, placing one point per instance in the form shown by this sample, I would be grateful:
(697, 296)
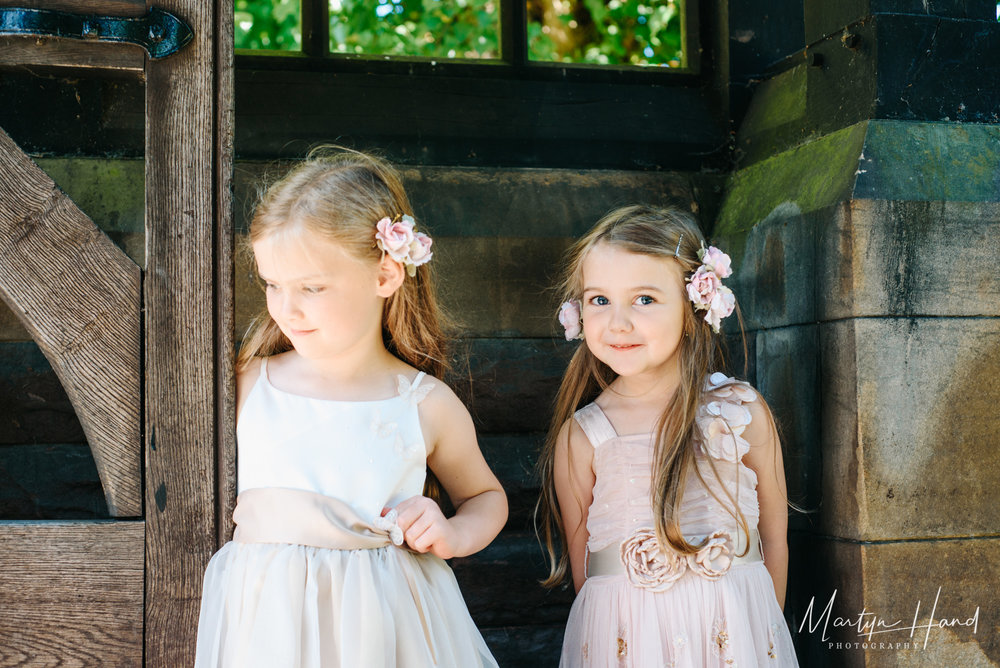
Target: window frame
(679, 112)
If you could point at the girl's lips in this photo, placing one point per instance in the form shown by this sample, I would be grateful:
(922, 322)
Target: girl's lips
(624, 346)
(301, 332)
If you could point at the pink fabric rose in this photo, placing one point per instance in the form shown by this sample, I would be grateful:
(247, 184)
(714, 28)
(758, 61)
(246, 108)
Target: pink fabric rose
(420, 252)
(649, 567)
(713, 560)
(702, 286)
(569, 318)
(395, 237)
(717, 261)
(721, 306)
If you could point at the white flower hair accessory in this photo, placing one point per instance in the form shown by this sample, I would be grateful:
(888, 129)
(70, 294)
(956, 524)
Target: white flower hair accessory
(705, 288)
(571, 320)
(399, 238)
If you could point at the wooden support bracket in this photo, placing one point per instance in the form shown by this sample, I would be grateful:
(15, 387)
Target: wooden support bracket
(80, 298)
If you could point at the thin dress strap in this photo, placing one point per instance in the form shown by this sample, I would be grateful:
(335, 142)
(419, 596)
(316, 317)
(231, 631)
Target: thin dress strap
(416, 381)
(263, 368)
(595, 424)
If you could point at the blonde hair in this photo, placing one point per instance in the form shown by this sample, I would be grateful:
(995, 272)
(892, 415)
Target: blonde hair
(671, 234)
(341, 194)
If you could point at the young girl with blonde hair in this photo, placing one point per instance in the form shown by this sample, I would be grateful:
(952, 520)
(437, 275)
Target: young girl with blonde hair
(337, 558)
(663, 485)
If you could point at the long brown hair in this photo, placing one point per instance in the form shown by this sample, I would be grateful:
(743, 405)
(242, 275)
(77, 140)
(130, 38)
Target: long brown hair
(341, 194)
(671, 234)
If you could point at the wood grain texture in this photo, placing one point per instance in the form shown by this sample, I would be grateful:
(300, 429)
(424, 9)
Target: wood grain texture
(22, 51)
(78, 296)
(71, 593)
(225, 306)
(182, 228)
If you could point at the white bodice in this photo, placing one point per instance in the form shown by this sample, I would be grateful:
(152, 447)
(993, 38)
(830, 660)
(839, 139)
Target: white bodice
(369, 454)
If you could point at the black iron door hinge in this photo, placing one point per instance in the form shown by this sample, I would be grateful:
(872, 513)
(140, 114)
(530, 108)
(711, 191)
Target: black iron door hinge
(160, 33)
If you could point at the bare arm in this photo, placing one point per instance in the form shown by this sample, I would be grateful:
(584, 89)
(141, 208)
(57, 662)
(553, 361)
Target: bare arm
(455, 458)
(766, 461)
(574, 481)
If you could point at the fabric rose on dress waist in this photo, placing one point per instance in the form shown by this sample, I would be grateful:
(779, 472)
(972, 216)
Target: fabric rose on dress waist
(713, 560)
(647, 566)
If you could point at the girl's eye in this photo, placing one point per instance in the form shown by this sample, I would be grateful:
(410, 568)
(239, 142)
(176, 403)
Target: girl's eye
(599, 301)
(313, 289)
(645, 300)
(270, 286)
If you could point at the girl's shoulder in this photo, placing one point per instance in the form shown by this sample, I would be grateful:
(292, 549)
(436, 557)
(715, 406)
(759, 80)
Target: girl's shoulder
(732, 417)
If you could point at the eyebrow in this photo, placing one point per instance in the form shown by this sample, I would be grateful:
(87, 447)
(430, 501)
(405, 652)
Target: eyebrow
(639, 288)
(299, 279)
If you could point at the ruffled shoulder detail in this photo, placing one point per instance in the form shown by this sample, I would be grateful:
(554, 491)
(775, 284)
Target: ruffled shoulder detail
(722, 417)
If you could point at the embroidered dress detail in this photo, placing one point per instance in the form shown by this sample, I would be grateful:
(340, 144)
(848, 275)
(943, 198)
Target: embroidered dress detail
(715, 608)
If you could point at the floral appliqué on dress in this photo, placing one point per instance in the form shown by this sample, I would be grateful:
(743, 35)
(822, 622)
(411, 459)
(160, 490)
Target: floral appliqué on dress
(388, 428)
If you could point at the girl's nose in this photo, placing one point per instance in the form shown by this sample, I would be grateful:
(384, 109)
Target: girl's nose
(620, 320)
(287, 305)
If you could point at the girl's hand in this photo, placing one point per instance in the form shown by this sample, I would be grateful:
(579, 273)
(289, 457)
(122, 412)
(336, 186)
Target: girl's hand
(425, 528)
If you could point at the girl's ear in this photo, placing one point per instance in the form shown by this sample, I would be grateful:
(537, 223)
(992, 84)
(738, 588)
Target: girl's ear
(390, 276)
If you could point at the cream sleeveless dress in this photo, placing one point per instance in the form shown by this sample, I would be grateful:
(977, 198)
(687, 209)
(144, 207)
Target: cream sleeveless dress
(643, 608)
(314, 576)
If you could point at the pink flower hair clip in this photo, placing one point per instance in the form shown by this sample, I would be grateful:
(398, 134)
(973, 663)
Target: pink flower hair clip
(705, 288)
(399, 238)
(571, 320)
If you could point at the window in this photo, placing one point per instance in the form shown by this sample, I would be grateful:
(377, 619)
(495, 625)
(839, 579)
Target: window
(573, 32)
(615, 84)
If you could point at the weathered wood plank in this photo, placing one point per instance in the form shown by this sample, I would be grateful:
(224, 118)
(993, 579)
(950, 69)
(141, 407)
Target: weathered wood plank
(182, 228)
(73, 53)
(22, 51)
(225, 307)
(102, 7)
(71, 593)
(78, 296)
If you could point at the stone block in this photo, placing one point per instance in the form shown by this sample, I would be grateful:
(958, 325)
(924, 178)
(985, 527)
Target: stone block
(914, 258)
(484, 202)
(510, 384)
(910, 603)
(864, 258)
(513, 457)
(787, 377)
(909, 426)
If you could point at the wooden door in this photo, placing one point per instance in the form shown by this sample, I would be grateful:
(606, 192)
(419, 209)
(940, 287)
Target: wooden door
(145, 355)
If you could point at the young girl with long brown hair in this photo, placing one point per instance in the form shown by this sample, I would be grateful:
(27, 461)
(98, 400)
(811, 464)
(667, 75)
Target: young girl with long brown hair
(337, 559)
(663, 485)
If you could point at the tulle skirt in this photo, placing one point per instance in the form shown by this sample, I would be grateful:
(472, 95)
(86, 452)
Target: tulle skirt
(275, 605)
(732, 622)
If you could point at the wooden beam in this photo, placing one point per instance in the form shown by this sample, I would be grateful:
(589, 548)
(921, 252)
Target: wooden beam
(225, 283)
(71, 593)
(71, 53)
(74, 53)
(78, 296)
(183, 228)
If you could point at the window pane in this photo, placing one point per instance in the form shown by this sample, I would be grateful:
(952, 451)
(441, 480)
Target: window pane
(606, 32)
(431, 28)
(268, 24)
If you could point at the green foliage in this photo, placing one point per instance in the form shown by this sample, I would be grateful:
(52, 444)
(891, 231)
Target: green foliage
(610, 32)
(615, 32)
(429, 28)
(268, 24)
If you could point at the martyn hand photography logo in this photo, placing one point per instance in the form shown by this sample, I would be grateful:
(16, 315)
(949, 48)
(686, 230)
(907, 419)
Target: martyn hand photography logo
(877, 632)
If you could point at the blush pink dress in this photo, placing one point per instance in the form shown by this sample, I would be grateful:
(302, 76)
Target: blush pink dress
(644, 608)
